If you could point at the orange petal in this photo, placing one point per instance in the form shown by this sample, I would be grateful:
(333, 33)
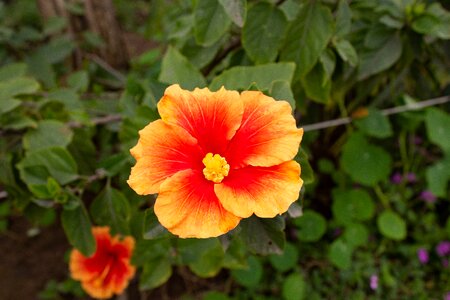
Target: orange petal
(210, 117)
(162, 150)
(264, 191)
(188, 207)
(268, 135)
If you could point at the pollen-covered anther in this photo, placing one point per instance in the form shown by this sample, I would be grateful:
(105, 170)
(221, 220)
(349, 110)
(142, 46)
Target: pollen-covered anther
(216, 167)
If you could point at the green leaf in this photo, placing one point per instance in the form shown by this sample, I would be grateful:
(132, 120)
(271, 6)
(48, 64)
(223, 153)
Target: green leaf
(152, 228)
(210, 22)
(236, 10)
(343, 19)
(176, 68)
(263, 32)
(8, 104)
(375, 61)
(155, 273)
(352, 205)
(316, 86)
(250, 277)
(328, 61)
(47, 134)
(281, 90)
(17, 86)
(213, 295)
(438, 176)
(311, 226)
(77, 227)
(210, 262)
(287, 260)
(347, 52)
(241, 77)
(55, 162)
(263, 236)
(356, 235)
(308, 36)
(375, 124)
(111, 208)
(340, 254)
(438, 127)
(79, 81)
(191, 250)
(294, 287)
(12, 71)
(365, 163)
(391, 225)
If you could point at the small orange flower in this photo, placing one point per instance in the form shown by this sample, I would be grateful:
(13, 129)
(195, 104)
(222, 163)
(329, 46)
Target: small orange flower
(217, 157)
(108, 270)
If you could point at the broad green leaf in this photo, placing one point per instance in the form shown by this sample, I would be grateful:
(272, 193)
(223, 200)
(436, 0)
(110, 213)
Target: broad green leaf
(113, 164)
(438, 127)
(8, 104)
(210, 22)
(294, 287)
(236, 10)
(356, 235)
(54, 24)
(435, 22)
(263, 236)
(191, 250)
(343, 19)
(235, 254)
(12, 71)
(111, 208)
(152, 228)
(263, 32)
(308, 36)
(241, 77)
(251, 276)
(328, 61)
(316, 86)
(340, 254)
(58, 49)
(55, 162)
(378, 60)
(311, 226)
(287, 260)
(17, 86)
(281, 90)
(79, 81)
(155, 273)
(365, 163)
(209, 263)
(290, 8)
(347, 52)
(377, 36)
(307, 173)
(375, 124)
(391, 225)
(77, 227)
(213, 295)
(177, 69)
(47, 134)
(438, 176)
(352, 205)
(200, 56)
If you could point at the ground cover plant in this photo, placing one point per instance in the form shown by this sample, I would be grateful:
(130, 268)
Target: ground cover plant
(366, 217)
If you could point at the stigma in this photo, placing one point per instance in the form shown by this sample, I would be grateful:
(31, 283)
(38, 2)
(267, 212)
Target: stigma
(216, 167)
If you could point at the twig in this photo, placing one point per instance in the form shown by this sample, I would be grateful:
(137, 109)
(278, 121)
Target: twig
(103, 64)
(97, 121)
(385, 112)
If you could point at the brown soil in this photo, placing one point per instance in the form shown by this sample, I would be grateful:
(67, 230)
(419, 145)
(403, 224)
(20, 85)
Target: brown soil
(27, 263)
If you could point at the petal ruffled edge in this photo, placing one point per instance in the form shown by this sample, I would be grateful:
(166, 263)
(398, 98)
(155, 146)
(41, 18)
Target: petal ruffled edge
(263, 191)
(188, 207)
(210, 117)
(268, 135)
(162, 150)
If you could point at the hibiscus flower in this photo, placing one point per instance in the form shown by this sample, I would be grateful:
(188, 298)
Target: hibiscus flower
(217, 157)
(108, 270)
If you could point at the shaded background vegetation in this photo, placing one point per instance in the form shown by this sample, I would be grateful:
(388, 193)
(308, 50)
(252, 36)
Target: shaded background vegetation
(78, 79)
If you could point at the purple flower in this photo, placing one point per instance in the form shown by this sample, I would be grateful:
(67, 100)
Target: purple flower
(427, 196)
(411, 177)
(447, 296)
(422, 254)
(374, 282)
(396, 178)
(443, 248)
